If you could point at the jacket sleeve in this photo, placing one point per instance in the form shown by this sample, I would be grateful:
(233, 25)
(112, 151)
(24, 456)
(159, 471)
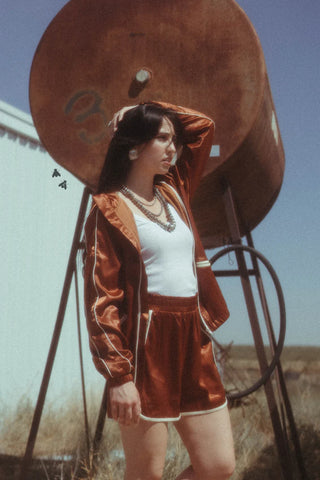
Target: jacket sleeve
(198, 132)
(104, 302)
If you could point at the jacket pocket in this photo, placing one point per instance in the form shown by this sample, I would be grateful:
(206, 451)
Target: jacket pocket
(206, 319)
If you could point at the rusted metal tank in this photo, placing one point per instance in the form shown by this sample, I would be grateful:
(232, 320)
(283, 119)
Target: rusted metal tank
(98, 56)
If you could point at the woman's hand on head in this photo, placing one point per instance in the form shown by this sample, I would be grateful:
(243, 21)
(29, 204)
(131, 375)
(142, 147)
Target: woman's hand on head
(117, 117)
(125, 404)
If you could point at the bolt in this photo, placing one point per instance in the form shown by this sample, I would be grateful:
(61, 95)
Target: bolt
(143, 75)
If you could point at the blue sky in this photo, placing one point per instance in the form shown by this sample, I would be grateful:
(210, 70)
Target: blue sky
(289, 235)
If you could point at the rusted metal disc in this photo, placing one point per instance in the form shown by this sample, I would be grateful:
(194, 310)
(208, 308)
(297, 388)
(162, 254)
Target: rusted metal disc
(97, 56)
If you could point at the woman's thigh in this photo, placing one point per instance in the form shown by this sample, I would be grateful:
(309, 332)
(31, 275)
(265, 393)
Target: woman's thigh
(208, 439)
(145, 448)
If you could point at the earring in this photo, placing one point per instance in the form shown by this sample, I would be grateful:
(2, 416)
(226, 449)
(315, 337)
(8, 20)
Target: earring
(133, 154)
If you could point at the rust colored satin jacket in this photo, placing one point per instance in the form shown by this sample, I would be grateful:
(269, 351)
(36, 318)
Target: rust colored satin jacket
(115, 280)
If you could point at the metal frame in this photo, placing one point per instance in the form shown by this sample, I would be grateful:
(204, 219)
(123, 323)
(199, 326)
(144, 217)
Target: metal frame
(277, 346)
(277, 398)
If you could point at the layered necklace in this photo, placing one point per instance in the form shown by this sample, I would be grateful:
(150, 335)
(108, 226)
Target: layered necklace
(169, 225)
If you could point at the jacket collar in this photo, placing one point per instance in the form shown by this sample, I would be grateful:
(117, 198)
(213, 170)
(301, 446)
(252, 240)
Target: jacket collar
(117, 212)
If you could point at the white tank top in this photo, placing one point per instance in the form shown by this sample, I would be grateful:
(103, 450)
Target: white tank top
(168, 257)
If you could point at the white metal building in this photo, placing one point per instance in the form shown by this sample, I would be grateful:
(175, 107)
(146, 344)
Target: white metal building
(39, 208)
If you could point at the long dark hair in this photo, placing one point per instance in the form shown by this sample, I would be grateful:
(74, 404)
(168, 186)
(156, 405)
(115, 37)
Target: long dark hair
(139, 125)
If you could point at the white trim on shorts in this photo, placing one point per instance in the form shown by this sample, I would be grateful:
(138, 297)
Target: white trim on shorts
(184, 414)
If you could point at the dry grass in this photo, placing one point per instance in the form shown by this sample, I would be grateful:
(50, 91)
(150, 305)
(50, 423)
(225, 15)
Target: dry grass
(62, 431)
(257, 457)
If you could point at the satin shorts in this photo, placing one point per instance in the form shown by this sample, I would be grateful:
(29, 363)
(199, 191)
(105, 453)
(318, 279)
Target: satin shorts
(176, 372)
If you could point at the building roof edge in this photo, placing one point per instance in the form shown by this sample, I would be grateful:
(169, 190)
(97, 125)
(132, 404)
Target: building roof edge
(18, 122)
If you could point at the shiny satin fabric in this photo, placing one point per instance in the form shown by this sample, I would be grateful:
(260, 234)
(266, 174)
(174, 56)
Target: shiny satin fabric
(115, 279)
(176, 370)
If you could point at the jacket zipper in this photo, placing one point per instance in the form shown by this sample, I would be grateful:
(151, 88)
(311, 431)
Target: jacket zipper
(138, 321)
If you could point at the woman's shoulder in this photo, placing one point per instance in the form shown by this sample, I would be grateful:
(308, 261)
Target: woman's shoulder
(171, 189)
(105, 201)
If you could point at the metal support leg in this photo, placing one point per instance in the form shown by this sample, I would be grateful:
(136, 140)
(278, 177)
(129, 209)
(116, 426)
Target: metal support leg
(101, 420)
(280, 438)
(55, 339)
(279, 372)
(84, 398)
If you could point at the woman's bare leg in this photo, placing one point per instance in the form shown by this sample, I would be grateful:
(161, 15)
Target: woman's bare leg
(145, 447)
(208, 439)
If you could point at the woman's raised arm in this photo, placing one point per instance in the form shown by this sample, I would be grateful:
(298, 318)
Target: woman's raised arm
(198, 132)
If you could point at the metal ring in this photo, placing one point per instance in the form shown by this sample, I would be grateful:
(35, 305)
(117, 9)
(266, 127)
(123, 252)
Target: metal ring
(279, 346)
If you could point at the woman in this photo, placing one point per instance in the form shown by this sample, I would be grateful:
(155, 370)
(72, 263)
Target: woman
(152, 300)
